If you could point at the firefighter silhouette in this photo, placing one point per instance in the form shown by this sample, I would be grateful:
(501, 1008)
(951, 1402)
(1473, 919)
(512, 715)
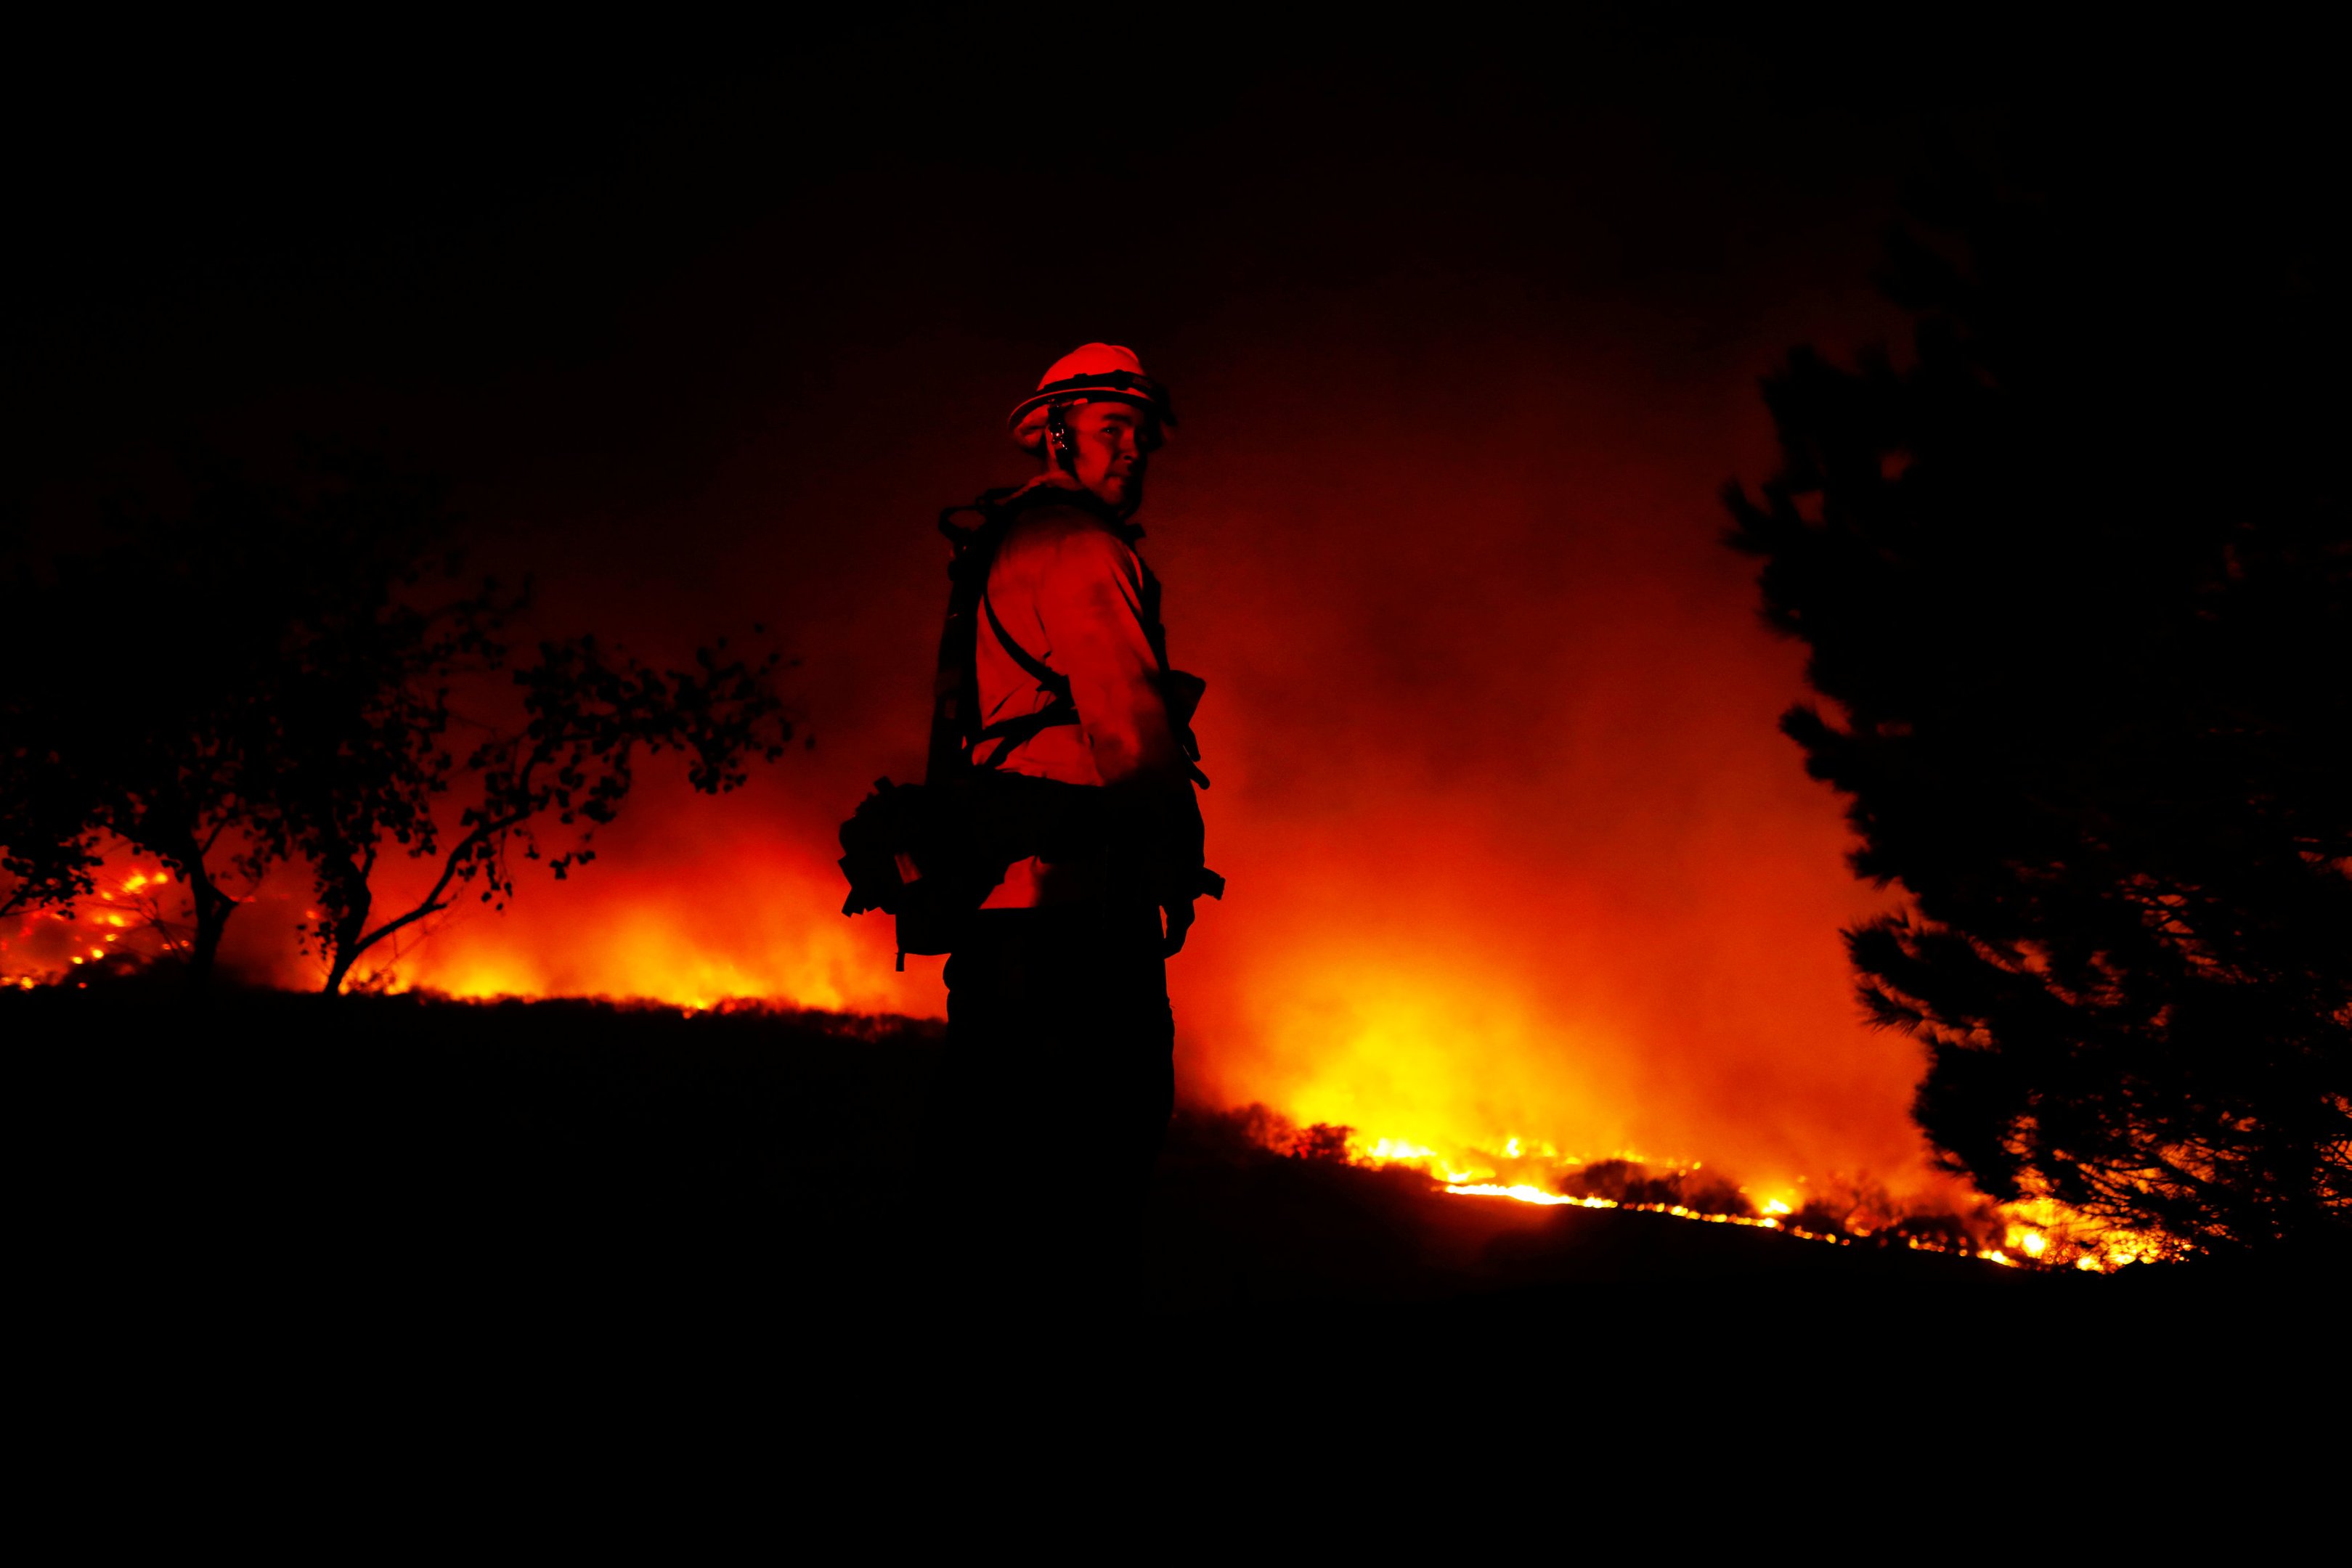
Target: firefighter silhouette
(1056, 846)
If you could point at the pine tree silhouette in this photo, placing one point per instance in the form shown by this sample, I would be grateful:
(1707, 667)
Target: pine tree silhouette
(2077, 580)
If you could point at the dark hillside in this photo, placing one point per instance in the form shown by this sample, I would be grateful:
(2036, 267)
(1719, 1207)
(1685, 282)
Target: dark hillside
(370, 1154)
(270, 1136)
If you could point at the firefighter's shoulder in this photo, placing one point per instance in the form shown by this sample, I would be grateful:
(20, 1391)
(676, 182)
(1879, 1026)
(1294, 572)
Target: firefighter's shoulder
(1070, 535)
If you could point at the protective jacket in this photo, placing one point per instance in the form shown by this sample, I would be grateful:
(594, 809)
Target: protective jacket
(1070, 634)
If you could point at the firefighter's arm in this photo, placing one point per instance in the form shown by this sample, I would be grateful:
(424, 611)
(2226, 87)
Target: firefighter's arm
(1091, 604)
(1090, 600)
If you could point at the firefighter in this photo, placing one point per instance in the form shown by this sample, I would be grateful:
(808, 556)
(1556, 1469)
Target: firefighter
(1059, 1032)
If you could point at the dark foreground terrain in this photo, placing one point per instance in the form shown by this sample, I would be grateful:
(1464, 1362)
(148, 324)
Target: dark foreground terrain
(368, 1162)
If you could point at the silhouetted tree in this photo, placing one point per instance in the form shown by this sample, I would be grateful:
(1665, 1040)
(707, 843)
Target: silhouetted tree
(588, 712)
(264, 672)
(2078, 579)
(142, 660)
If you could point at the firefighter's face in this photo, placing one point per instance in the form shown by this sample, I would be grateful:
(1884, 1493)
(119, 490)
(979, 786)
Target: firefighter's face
(1111, 448)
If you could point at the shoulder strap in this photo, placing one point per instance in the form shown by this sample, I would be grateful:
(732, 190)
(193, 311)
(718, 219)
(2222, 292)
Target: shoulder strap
(957, 733)
(1058, 710)
(1048, 679)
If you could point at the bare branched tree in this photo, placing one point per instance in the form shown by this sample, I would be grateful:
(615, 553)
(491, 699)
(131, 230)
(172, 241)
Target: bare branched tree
(590, 712)
(285, 692)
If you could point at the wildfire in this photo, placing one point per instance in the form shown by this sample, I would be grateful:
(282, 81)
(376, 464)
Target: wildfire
(123, 917)
(2032, 1235)
(1383, 1043)
(2049, 1233)
(1524, 1194)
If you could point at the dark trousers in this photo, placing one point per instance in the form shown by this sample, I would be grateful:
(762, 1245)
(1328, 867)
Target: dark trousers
(1052, 1098)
